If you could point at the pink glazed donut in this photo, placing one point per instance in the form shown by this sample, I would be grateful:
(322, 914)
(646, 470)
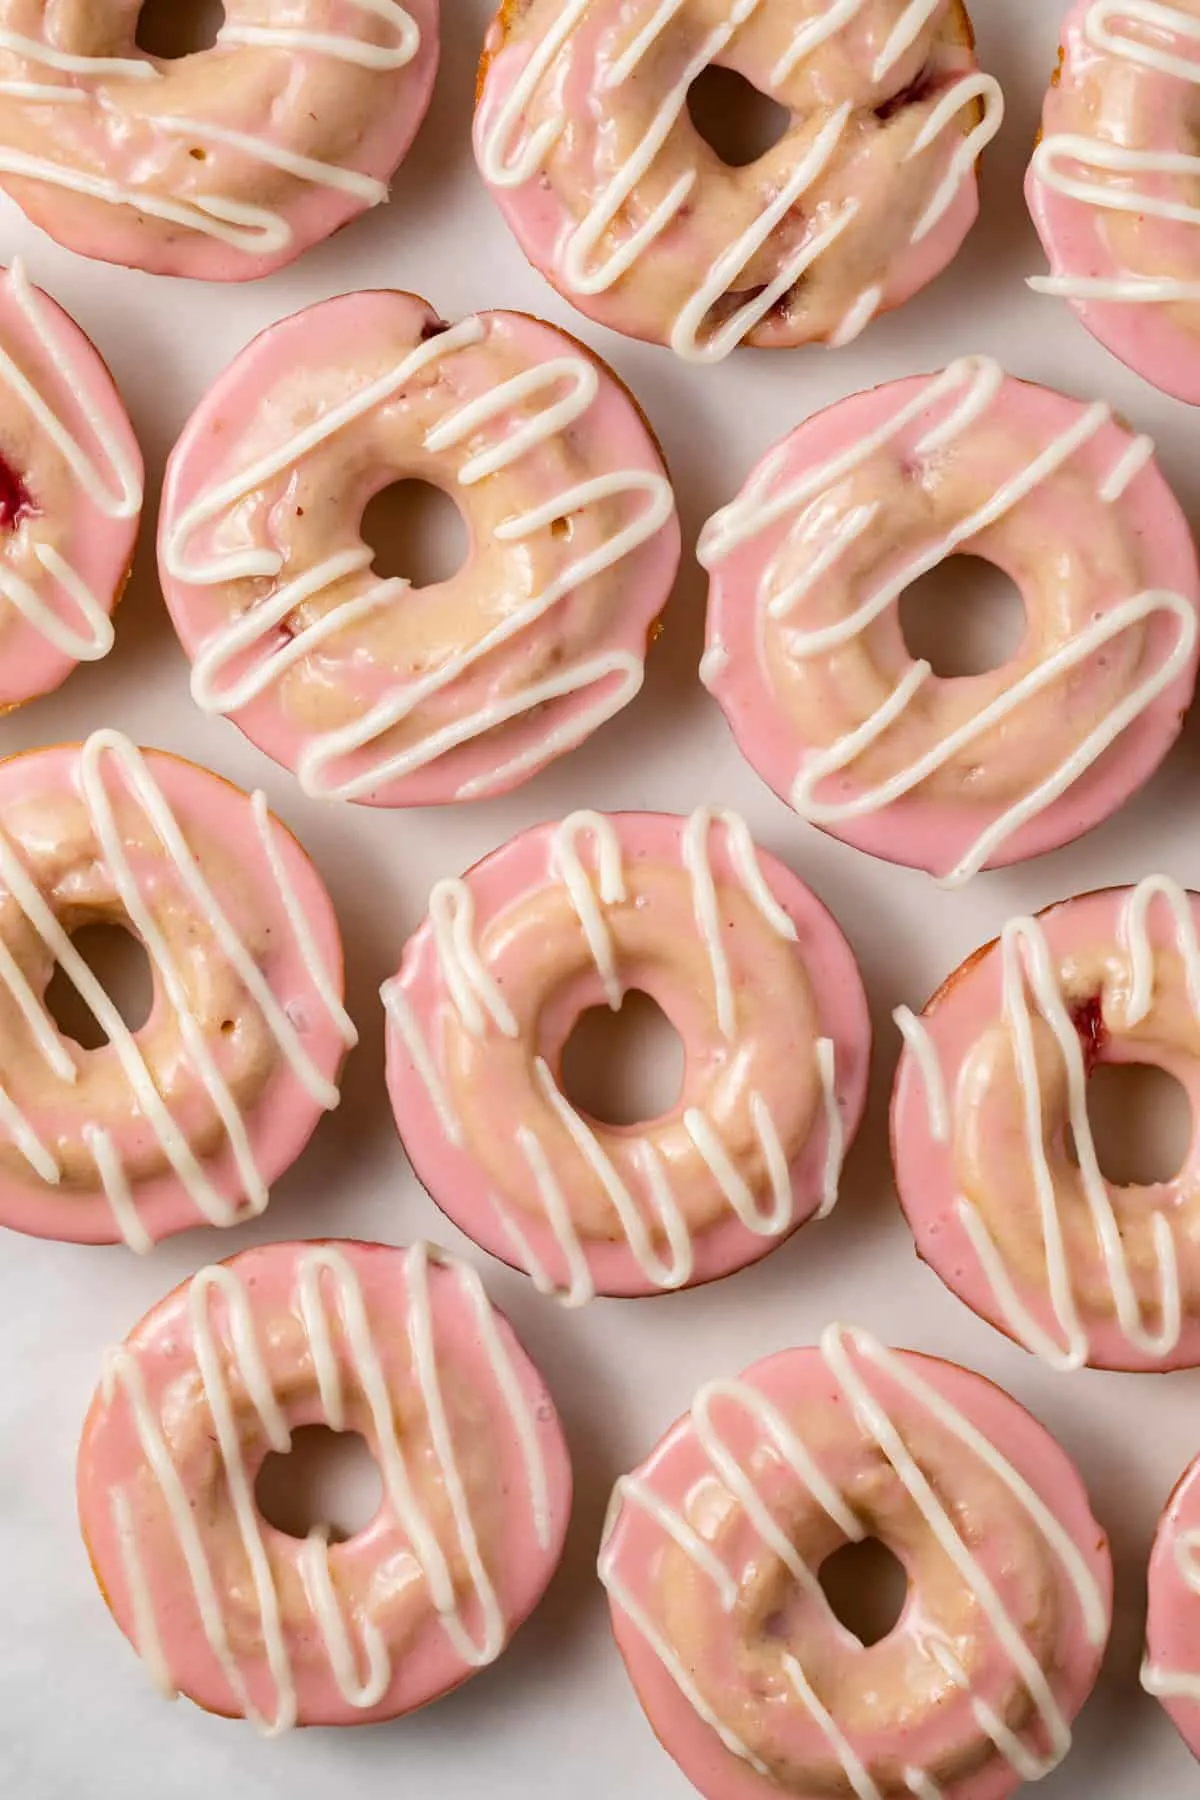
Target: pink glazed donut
(995, 1161)
(400, 1346)
(749, 968)
(583, 135)
(223, 165)
(373, 690)
(191, 1118)
(70, 494)
(807, 657)
(1112, 184)
(713, 1552)
(1171, 1671)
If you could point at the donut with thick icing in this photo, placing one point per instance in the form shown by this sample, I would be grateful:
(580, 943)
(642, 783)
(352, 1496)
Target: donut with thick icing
(806, 654)
(189, 1119)
(70, 494)
(583, 135)
(995, 1161)
(712, 1558)
(1112, 184)
(1171, 1670)
(746, 964)
(370, 689)
(400, 1346)
(222, 165)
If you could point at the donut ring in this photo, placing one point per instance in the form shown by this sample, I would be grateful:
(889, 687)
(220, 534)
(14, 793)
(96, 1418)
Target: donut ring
(750, 969)
(191, 1118)
(1171, 1671)
(637, 222)
(1075, 1268)
(711, 1560)
(807, 658)
(372, 690)
(223, 165)
(402, 1347)
(1113, 185)
(70, 494)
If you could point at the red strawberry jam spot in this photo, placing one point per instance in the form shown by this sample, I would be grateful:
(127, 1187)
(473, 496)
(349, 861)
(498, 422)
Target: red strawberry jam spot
(15, 499)
(1088, 1020)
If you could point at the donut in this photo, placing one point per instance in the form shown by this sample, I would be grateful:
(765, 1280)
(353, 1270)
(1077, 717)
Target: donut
(70, 494)
(712, 1558)
(372, 690)
(583, 135)
(806, 654)
(1171, 1670)
(222, 165)
(1111, 186)
(400, 1346)
(746, 964)
(189, 1119)
(995, 1161)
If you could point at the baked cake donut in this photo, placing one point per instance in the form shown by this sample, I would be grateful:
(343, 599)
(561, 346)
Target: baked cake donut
(70, 494)
(712, 1560)
(806, 654)
(1171, 1670)
(369, 689)
(222, 165)
(583, 135)
(995, 1161)
(749, 968)
(1112, 184)
(402, 1347)
(189, 1119)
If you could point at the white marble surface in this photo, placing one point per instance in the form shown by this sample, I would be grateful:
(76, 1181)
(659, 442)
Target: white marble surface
(557, 1716)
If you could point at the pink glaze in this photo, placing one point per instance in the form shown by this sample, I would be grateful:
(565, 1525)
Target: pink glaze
(79, 1114)
(223, 165)
(1172, 1667)
(796, 1705)
(462, 688)
(80, 509)
(980, 1172)
(876, 210)
(855, 505)
(503, 1446)
(1108, 261)
(486, 1131)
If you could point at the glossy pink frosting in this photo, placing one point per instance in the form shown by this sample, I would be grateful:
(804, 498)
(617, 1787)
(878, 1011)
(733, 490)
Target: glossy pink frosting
(1173, 1619)
(784, 709)
(375, 1573)
(40, 797)
(293, 376)
(910, 1719)
(1114, 100)
(532, 945)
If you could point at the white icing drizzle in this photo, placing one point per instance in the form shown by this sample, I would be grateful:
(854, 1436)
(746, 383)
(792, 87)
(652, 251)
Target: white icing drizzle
(95, 640)
(761, 505)
(358, 51)
(508, 163)
(872, 1417)
(924, 1052)
(566, 866)
(320, 1270)
(551, 416)
(704, 898)
(1029, 972)
(1157, 1679)
(1102, 157)
(139, 786)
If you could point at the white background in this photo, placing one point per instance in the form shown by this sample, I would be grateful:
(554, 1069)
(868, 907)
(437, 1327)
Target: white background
(556, 1714)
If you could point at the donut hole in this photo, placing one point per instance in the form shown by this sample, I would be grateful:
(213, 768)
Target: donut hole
(624, 1068)
(417, 533)
(328, 1480)
(966, 617)
(1141, 1123)
(120, 964)
(737, 121)
(866, 1588)
(169, 29)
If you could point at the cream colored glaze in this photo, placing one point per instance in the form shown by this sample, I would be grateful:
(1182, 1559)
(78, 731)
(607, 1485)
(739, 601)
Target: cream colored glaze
(583, 134)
